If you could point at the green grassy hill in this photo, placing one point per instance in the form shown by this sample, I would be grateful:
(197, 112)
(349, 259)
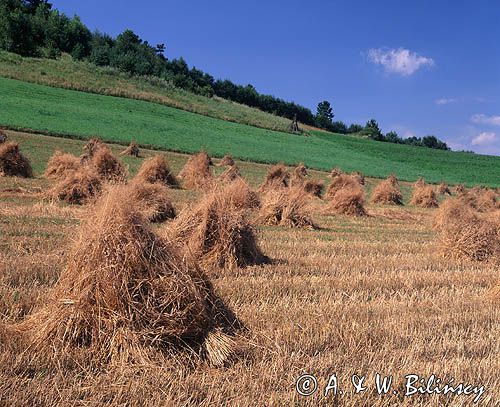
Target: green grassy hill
(82, 115)
(75, 75)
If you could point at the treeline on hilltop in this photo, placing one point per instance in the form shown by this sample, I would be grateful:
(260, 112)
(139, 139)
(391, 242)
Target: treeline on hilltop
(324, 119)
(34, 28)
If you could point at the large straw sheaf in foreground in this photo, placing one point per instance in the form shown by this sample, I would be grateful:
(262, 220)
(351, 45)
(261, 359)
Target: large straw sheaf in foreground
(156, 169)
(348, 200)
(286, 207)
(387, 192)
(12, 162)
(466, 233)
(196, 172)
(216, 231)
(277, 177)
(125, 296)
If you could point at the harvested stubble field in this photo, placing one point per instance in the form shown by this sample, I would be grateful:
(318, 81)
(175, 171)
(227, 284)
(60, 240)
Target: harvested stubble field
(359, 296)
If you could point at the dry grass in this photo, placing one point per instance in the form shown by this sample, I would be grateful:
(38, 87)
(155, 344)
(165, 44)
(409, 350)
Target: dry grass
(393, 180)
(12, 162)
(298, 176)
(153, 201)
(196, 173)
(313, 187)
(3, 136)
(424, 196)
(387, 192)
(157, 170)
(239, 194)
(107, 166)
(132, 150)
(230, 174)
(494, 294)
(460, 189)
(360, 296)
(419, 183)
(359, 177)
(335, 172)
(299, 179)
(349, 201)
(60, 164)
(227, 160)
(481, 199)
(77, 187)
(277, 177)
(92, 146)
(342, 181)
(464, 233)
(443, 189)
(125, 296)
(286, 207)
(216, 231)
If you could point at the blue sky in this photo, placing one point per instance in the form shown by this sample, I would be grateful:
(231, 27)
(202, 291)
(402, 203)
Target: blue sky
(422, 67)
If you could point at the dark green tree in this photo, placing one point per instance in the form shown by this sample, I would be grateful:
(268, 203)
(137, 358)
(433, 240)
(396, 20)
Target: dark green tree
(372, 130)
(324, 115)
(392, 137)
(354, 128)
(338, 127)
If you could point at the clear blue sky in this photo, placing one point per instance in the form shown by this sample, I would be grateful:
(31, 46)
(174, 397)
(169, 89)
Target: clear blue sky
(422, 67)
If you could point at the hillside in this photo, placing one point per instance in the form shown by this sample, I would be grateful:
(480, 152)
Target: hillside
(82, 115)
(70, 74)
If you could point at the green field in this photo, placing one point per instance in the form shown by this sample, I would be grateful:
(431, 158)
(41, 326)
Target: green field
(67, 73)
(77, 114)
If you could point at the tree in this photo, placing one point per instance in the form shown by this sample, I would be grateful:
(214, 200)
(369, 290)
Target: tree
(160, 50)
(372, 130)
(338, 127)
(433, 142)
(354, 128)
(392, 137)
(324, 115)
